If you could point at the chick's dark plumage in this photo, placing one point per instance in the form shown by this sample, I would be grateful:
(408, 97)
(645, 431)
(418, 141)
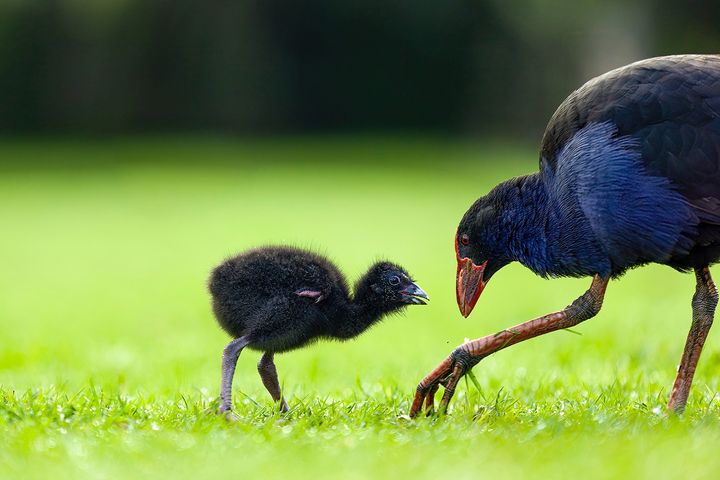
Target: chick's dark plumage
(254, 295)
(276, 299)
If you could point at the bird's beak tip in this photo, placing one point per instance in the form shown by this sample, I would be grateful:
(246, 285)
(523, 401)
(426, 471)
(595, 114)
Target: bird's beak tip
(470, 284)
(416, 295)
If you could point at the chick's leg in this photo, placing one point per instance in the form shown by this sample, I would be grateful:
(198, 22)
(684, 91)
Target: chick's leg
(269, 376)
(229, 361)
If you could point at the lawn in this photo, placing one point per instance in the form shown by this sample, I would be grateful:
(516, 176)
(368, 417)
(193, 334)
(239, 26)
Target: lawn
(109, 354)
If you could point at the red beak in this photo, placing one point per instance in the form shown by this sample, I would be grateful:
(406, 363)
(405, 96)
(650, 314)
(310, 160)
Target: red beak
(469, 282)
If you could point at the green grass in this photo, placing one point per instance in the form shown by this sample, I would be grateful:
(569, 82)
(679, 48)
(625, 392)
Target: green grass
(109, 355)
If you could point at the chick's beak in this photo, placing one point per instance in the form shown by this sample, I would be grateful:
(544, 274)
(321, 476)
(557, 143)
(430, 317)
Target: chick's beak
(414, 294)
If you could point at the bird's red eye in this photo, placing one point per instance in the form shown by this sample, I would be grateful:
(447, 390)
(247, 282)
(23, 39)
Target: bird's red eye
(464, 239)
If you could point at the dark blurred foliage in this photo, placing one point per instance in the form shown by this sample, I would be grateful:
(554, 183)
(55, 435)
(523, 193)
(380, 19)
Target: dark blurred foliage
(277, 66)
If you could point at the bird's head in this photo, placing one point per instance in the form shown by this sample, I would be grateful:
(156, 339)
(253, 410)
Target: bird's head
(391, 285)
(480, 249)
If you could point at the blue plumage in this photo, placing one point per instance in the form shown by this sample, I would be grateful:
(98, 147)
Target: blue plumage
(598, 211)
(633, 217)
(629, 175)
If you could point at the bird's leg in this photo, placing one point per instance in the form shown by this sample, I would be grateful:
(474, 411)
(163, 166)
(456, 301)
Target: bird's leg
(268, 374)
(703, 305)
(229, 360)
(466, 356)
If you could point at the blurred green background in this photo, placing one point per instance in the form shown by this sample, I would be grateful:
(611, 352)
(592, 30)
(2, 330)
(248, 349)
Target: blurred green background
(141, 142)
(110, 354)
(247, 67)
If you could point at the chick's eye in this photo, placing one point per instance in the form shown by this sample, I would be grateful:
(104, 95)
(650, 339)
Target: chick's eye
(464, 239)
(394, 280)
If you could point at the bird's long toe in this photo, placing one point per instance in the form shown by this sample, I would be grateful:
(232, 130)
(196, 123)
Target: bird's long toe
(426, 389)
(224, 408)
(430, 400)
(455, 376)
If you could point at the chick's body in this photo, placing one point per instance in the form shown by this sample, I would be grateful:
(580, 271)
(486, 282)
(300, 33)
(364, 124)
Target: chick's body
(276, 299)
(254, 295)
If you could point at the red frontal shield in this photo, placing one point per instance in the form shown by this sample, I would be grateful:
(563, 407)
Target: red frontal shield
(469, 282)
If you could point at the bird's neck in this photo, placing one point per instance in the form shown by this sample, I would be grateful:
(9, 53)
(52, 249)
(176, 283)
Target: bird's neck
(362, 312)
(358, 318)
(547, 234)
(521, 223)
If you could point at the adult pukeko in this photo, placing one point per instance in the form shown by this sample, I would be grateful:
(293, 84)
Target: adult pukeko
(629, 175)
(276, 299)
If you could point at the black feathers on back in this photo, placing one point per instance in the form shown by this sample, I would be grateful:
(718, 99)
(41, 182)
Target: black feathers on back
(283, 297)
(629, 175)
(671, 105)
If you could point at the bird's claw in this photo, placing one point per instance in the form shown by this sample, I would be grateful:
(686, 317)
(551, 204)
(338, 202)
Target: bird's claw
(230, 416)
(224, 411)
(447, 374)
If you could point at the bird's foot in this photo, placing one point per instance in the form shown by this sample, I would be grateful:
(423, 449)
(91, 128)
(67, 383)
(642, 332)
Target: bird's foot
(221, 411)
(225, 410)
(223, 406)
(447, 374)
(230, 416)
(280, 405)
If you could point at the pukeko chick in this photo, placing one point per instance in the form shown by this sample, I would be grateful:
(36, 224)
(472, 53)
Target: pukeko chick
(629, 175)
(276, 299)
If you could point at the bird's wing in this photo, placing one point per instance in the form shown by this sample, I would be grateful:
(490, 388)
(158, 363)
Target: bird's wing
(670, 106)
(316, 295)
